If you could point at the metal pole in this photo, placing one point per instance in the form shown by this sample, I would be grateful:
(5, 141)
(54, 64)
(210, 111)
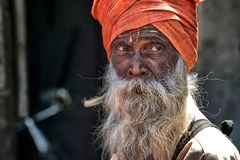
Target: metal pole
(20, 27)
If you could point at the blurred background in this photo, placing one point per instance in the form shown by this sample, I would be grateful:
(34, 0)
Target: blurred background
(51, 57)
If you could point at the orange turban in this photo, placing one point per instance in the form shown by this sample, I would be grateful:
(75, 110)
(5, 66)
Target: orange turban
(176, 19)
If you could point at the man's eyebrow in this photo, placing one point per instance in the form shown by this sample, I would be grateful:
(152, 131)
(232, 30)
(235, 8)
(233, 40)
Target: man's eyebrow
(121, 40)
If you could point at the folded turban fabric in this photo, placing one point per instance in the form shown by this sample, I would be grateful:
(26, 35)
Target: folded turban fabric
(176, 19)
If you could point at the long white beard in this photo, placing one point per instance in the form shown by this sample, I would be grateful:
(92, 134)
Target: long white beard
(145, 118)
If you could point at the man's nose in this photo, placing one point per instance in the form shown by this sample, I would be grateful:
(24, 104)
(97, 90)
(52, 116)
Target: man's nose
(137, 67)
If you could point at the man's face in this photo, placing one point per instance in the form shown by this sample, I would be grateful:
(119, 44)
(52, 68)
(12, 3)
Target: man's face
(145, 53)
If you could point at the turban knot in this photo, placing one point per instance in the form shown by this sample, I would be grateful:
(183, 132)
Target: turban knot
(176, 19)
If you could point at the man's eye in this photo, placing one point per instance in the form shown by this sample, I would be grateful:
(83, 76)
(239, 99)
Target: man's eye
(123, 48)
(156, 48)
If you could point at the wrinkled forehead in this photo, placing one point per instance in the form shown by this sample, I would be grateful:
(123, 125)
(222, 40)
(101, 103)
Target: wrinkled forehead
(147, 32)
(137, 33)
(147, 28)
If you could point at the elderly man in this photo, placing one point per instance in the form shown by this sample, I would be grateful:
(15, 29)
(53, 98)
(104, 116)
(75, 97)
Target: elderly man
(150, 94)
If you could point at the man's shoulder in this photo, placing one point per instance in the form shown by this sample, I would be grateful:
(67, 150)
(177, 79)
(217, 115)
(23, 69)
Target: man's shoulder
(209, 144)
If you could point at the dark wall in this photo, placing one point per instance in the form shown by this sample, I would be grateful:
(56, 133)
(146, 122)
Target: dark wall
(64, 46)
(8, 82)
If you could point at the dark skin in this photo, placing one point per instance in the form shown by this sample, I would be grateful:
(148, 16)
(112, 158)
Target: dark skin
(144, 53)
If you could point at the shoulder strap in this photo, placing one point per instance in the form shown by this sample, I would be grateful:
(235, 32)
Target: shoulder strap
(193, 129)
